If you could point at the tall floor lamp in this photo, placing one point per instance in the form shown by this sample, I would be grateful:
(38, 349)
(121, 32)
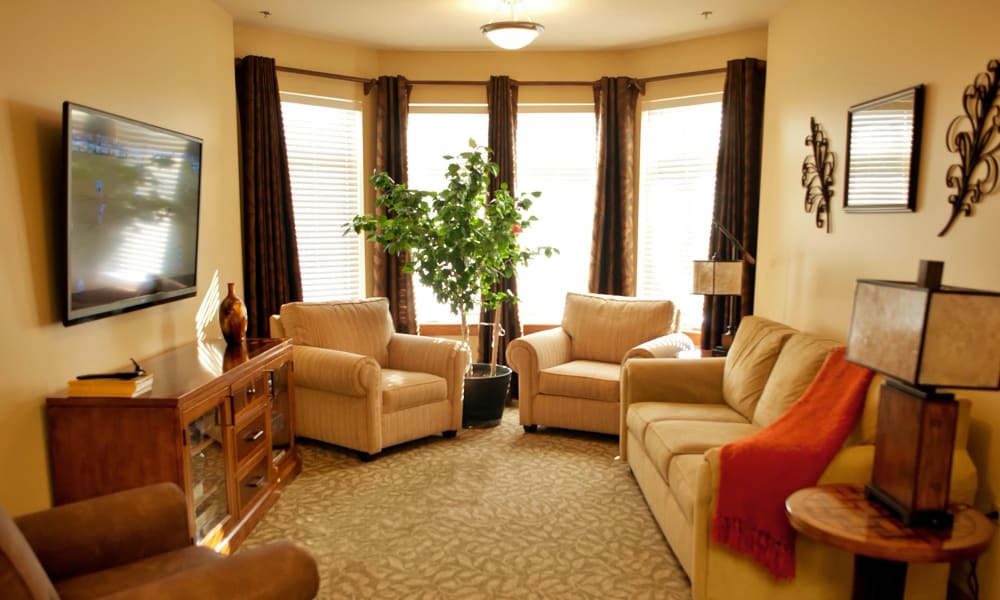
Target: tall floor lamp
(923, 336)
(715, 277)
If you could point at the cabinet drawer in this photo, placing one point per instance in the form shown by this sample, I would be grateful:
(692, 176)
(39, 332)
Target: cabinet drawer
(251, 436)
(248, 392)
(253, 484)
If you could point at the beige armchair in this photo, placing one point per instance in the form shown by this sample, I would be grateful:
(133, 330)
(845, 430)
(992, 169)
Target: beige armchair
(568, 376)
(135, 544)
(361, 385)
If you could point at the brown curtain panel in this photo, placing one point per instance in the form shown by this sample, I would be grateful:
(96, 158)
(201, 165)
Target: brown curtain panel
(612, 253)
(392, 101)
(737, 190)
(501, 97)
(271, 274)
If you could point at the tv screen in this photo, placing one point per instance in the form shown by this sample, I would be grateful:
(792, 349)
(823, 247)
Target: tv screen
(132, 197)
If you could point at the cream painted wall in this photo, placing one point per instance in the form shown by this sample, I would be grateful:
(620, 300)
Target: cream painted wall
(167, 63)
(824, 57)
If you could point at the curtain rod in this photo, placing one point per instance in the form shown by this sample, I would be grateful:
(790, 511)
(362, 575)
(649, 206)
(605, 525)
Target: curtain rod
(370, 82)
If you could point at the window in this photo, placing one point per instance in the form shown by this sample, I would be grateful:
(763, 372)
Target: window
(679, 150)
(433, 132)
(557, 156)
(323, 136)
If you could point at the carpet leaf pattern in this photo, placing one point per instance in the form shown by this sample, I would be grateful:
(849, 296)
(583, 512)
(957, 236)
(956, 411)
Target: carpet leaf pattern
(492, 513)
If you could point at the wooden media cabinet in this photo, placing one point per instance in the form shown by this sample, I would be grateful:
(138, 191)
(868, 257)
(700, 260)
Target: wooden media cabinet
(218, 422)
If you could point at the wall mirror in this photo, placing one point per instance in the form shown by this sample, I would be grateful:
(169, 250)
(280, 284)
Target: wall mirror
(883, 153)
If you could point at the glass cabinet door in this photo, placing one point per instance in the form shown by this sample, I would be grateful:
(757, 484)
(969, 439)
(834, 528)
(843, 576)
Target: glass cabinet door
(281, 426)
(208, 472)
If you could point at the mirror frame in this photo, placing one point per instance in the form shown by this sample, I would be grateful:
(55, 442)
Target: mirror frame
(908, 198)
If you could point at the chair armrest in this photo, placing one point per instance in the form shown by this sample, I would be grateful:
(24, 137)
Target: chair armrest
(531, 353)
(665, 346)
(335, 371)
(439, 356)
(277, 571)
(106, 531)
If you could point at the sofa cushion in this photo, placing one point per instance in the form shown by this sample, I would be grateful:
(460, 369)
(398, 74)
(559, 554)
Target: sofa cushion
(666, 439)
(800, 359)
(359, 326)
(21, 575)
(603, 327)
(581, 379)
(406, 389)
(641, 414)
(749, 361)
(683, 480)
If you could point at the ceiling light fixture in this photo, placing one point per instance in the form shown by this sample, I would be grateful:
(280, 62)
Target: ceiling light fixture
(514, 33)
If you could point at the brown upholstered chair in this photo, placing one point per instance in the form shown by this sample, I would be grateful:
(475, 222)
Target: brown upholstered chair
(135, 544)
(568, 376)
(361, 385)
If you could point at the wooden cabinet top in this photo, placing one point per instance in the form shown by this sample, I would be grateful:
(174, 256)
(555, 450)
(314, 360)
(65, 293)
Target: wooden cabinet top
(190, 371)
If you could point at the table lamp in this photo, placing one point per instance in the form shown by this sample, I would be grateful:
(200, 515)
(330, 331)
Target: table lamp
(923, 336)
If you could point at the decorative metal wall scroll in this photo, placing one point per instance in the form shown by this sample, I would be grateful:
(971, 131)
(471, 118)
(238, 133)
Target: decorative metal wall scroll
(817, 174)
(976, 138)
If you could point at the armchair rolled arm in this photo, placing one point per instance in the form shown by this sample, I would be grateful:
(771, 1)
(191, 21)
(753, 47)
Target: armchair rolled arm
(665, 346)
(106, 531)
(335, 371)
(540, 350)
(439, 356)
(277, 571)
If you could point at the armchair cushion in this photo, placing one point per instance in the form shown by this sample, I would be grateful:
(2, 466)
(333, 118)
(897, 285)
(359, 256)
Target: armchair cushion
(582, 379)
(406, 389)
(358, 326)
(603, 328)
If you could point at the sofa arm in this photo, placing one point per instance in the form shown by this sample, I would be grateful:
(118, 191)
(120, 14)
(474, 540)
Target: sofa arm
(335, 371)
(672, 380)
(439, 356)
(106, 531)
(277, 571)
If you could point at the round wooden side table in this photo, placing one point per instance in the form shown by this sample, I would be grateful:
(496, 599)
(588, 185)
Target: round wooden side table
(840, 515)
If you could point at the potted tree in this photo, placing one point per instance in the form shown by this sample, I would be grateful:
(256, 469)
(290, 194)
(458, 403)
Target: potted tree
(460, 242)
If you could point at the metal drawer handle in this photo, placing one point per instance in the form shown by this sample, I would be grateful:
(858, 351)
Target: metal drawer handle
(253, 437)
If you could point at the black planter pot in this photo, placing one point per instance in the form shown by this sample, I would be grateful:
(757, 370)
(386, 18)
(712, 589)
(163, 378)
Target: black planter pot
(485, 396)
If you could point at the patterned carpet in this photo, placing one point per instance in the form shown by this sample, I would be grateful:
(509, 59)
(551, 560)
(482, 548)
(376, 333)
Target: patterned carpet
(493, 513)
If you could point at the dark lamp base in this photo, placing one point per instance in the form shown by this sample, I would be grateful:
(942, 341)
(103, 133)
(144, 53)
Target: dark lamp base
(928, 519)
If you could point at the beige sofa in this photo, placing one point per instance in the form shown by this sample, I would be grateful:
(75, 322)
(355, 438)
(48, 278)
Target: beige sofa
(569, 376)
(361, 385)
(677, 413)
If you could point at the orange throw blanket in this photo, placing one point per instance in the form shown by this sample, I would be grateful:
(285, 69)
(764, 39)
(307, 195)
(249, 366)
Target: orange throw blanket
(758, 472)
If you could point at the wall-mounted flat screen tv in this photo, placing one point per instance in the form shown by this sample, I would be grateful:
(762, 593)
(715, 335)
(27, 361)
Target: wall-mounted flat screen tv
(132, 195)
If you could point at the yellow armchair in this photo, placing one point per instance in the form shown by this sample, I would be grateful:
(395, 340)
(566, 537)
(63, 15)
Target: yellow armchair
(361, 385)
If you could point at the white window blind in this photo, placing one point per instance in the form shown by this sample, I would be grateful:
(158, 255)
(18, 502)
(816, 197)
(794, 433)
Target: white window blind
(435, 131)
(679, 151)
(557, 156)
(324, 141)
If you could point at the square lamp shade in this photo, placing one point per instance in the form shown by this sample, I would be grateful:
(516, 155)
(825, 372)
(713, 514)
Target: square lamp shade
(945, 337)
(923, 336)
(718, 277)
